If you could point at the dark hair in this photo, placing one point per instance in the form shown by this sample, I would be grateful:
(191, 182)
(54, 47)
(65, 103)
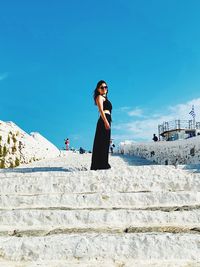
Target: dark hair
(96, 92)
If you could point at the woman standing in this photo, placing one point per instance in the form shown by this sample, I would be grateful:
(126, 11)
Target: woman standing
(102, 135)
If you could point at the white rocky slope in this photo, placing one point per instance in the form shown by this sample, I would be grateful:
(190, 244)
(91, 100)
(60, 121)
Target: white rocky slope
(59, 213)
(185, 151)
(16, 146)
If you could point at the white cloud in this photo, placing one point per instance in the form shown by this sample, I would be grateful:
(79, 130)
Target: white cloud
(137, 112)
(182, 110)
(3, 76)
(144, 128)
(121, 137)
(121, 109)
(124, 108)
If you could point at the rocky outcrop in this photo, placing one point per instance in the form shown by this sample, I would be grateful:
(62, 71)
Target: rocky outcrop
(17, 147)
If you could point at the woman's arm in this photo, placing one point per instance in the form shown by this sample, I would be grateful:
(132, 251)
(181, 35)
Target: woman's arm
(99, 101)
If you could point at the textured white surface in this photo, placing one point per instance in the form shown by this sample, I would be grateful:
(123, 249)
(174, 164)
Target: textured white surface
(59, 213)
(166, 152)
(102, 263)
(109, 218)
(27, 147)
(104, 246)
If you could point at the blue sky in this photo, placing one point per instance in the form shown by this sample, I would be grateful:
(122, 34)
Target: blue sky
(52, 54)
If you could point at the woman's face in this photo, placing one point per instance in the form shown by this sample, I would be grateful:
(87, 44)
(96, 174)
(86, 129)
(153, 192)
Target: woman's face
(103, 89)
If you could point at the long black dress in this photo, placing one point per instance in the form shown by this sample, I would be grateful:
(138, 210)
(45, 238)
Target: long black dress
(102, 141)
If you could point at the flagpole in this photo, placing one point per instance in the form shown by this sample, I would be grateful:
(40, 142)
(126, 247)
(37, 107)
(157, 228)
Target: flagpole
(192, 113)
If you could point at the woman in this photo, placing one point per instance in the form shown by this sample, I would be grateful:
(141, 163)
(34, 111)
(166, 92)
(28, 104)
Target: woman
(102, 135)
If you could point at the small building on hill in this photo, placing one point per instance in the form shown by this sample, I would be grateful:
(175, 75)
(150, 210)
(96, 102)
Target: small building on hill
(178, 129)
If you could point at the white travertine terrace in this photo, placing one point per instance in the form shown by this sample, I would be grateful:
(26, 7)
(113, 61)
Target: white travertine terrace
(56, 212)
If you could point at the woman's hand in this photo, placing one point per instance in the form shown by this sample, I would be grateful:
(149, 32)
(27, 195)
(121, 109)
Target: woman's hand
(107, 125)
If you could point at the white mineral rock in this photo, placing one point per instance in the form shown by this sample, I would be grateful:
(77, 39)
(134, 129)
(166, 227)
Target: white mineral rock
(17, 147)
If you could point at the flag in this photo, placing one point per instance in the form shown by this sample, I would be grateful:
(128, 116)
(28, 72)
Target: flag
(192, 113)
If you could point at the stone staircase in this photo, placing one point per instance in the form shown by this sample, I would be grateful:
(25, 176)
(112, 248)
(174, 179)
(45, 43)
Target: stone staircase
(124, 217)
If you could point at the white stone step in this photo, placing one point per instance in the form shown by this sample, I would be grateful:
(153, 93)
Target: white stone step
(102, 200)
(102, 263)
(77, 182)
(56, 216)
(53, 219)
(121, 247)
(120, 169)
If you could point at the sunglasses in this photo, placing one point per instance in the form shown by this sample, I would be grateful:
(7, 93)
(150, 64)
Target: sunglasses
(104, 87)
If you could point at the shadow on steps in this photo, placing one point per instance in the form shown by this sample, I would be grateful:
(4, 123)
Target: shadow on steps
(41, 169)
(134, 160)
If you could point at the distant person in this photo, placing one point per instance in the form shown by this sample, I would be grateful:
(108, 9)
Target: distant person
(81, 150)
(155, 138)
(112, 146)
(103, 129)
(67, 143)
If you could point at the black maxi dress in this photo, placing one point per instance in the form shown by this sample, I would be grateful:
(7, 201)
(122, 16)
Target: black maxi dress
(102, 141)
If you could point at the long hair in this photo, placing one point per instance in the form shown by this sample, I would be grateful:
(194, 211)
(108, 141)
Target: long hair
(96, 92)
